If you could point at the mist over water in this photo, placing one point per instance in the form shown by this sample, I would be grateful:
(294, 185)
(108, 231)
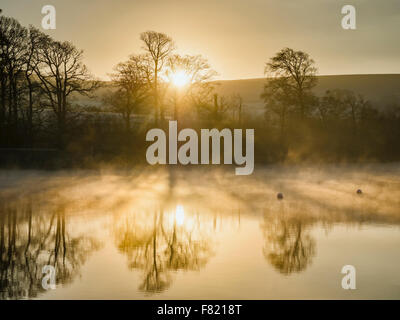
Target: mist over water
(157, 232)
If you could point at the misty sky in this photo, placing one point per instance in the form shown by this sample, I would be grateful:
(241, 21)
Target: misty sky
(237, 36)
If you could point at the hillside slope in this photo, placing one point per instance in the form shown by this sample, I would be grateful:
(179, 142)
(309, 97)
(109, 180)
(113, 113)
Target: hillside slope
(381, 90)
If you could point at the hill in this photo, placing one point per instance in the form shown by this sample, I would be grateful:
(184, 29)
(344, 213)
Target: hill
(382, 90)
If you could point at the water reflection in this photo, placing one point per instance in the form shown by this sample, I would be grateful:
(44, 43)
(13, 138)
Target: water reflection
(29, 241)
(160, 243)
(289, 247)
(287, 226)
(169, 223)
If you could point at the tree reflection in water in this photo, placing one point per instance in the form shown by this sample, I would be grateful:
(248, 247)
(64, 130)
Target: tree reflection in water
(289, 246)
(160, 244)
(30, 240)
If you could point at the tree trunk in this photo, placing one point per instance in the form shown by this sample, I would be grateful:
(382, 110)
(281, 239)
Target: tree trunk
(30, 113)
(156, 93)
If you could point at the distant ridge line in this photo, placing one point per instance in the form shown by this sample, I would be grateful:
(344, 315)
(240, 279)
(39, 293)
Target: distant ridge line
(321, 75)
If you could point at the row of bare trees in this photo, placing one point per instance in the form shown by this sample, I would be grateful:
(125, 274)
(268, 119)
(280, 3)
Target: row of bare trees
(37, 74)
(41, 80)
(338, 124)
(150, 78)
(289, 92)
(167, 81)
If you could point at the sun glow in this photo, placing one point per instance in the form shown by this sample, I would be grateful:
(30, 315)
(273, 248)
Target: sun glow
(180, 78)
(180, 215)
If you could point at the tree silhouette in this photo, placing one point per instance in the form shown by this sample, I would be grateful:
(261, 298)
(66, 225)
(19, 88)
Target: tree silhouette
(131, 78)
(295, 71)
(62, 73)
(13, 43)
(158, 47)
(199, 75)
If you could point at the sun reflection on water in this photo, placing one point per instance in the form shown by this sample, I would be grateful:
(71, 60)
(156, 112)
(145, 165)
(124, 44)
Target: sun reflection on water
(170, 229)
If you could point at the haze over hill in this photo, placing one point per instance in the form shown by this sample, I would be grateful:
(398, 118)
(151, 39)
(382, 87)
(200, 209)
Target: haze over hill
(382, 90)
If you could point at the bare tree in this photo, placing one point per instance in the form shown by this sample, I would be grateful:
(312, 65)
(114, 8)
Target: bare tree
(279, 100)
(158, 47)
(131, 78)
(235, 103)
(342, 104)
(331, 106)
(214, 109)
(62, 73)
(298, 71)
(3, 77)
(12, 44)
(198, 74)
(33, 86)
(355, 105)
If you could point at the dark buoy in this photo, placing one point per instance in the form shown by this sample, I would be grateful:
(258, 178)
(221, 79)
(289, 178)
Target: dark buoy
(359, 191)
(280, 196)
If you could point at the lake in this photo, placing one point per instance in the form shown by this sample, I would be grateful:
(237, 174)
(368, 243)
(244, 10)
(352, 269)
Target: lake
(201, 233)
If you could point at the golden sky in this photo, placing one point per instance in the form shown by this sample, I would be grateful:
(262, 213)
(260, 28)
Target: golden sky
(237, 36)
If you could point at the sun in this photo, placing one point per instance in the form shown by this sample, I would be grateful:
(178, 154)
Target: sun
(180, 78)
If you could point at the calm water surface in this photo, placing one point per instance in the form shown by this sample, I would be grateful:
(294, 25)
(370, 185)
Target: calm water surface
(201, 234)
